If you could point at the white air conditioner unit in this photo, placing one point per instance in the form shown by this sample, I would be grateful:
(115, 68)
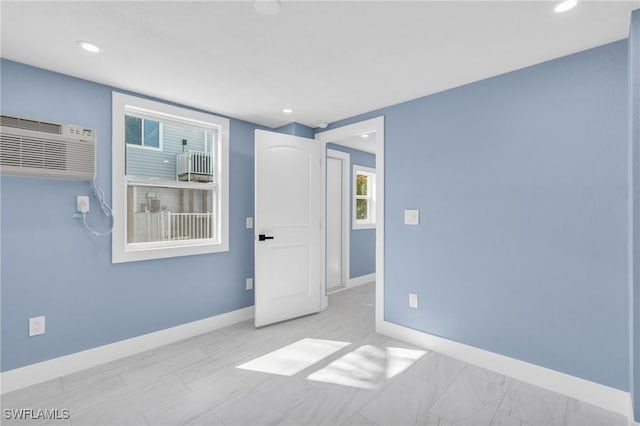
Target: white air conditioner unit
(37, 148)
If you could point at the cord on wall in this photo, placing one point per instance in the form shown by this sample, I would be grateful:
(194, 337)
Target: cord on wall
(98, 195)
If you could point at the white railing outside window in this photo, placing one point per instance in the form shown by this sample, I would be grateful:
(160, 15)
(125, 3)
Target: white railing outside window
(194, 166)
(168, 226)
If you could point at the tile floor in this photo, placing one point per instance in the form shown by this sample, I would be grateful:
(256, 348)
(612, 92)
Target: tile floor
(196, 382)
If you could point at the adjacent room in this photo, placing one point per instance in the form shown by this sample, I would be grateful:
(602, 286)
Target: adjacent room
(282, 212)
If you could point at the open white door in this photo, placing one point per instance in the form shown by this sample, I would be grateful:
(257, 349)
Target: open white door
(287, 226)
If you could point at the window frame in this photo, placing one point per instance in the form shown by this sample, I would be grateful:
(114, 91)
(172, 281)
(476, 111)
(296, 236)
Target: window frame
(369, 223)
(122, 251)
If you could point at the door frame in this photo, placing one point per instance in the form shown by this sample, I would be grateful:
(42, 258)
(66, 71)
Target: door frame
(336, 135)
(346, 201)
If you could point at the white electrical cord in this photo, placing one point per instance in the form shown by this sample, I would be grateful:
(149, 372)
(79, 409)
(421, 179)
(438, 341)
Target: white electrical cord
(98, 195)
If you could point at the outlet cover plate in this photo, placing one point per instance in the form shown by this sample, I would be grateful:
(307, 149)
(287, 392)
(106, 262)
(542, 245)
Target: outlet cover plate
(412, 217)
(36, 326)
(249, 284)
(413, 300)
(83, 203)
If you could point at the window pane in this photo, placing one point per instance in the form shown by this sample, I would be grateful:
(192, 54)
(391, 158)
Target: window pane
(151, 133)
(362, 211)
(169, 214)
(166, 164)
(362, 183)
(133, 130)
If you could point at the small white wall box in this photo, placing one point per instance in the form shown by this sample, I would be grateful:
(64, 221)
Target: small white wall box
(36, 326)
(413, 300)
(412, 217)
(83, 203)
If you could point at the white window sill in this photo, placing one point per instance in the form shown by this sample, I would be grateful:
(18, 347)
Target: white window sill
(357, 226)
(148, 253)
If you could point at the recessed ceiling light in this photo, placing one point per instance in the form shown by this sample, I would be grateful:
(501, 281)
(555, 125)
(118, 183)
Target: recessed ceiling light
(322, 124)
(89, 47)
(267, 7)
(364, 135)
(566, 5)
(287, 110)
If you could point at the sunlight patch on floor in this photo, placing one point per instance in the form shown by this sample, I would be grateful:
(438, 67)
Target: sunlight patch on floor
(367, 367)
(293, 358)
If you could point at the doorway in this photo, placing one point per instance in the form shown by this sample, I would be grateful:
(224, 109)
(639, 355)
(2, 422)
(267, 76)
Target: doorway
(300, 196)
(366, 136)
(338, 207)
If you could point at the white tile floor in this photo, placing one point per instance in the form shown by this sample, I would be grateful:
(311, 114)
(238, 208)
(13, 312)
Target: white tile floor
(196, 382)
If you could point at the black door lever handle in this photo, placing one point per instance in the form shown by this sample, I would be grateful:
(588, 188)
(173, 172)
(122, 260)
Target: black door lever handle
(263, 237)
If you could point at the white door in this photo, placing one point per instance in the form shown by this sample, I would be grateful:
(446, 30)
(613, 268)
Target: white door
(334, 223)
(287, 225)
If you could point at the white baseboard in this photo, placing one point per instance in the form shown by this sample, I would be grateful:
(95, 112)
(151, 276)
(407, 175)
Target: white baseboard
(631, 415)
(593, 393)
(354, 282)
(36, 373)
(361, 280)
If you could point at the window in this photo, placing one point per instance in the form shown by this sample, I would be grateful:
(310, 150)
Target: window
(364, 197)
(170, 181)
(143, 133)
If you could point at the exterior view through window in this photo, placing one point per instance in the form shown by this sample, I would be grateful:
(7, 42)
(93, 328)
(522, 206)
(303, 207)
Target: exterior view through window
(174, 197)
(364, 210)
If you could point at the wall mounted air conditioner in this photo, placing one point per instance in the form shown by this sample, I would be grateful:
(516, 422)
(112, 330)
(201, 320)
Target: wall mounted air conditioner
(37, 148)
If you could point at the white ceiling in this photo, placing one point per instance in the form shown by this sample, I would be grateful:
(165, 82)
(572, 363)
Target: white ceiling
(367, 144)
(327, 60)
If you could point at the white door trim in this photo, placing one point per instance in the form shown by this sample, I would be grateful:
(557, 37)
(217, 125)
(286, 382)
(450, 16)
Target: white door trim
(346, 201)
(341, 133)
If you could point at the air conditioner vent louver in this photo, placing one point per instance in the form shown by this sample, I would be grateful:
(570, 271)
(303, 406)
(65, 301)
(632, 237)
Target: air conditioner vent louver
(26, 124)
(24, 151)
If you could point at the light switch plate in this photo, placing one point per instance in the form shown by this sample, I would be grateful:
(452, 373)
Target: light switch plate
(412, 217)
(249, 283)
(249, 223)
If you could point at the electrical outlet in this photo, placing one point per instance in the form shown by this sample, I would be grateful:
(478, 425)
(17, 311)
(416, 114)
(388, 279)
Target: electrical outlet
(249, 283)
(249, 223)
(36, 326)
(83, 203)
(413, 300)
(412, 217)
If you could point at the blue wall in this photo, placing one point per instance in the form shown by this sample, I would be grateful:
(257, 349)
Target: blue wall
(362, 242)
(634, 177)
(296, 129)
(52, 267)
(521, 181)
